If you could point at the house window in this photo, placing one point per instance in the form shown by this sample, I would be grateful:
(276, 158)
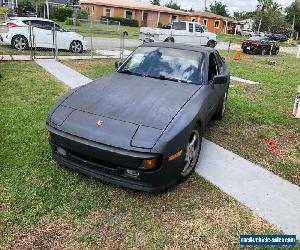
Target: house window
(108, 12)
(217, 24)
(128, 14)
(191, 27)
(205, 22)
(174, 18)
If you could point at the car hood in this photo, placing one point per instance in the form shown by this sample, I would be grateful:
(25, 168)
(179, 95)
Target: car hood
(139, 100)
(123, 110)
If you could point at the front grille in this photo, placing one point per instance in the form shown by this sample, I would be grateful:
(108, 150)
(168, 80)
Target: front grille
(93, 160)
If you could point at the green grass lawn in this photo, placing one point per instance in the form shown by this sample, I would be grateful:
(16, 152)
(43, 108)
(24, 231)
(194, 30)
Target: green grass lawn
(45, 206)
(255, 114)
(102, 30)
(233, 38)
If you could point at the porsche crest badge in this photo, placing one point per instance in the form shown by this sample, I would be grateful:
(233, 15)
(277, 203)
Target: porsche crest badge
(99, 123)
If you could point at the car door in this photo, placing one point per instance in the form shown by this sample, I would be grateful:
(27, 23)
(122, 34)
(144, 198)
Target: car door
(43, 33)
(215, 68)
(179, 32)
(62, 37)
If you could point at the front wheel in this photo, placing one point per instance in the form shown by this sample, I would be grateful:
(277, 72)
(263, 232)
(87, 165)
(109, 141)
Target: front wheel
(76, 47)
(263, 51)
(192, 153)
(19, 42)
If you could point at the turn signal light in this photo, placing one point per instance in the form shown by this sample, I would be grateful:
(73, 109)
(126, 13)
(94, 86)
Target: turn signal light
(175, 156)
(149, 163)
(49, 135)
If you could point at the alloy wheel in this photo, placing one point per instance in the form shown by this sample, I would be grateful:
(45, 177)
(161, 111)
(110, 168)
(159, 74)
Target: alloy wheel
(224, 103)
(20, 43)
(76, 47)
(192, 152)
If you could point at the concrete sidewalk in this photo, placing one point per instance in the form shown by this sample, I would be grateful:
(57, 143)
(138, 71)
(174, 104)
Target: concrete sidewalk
(268, 195)
(63, 73)
(271, 197)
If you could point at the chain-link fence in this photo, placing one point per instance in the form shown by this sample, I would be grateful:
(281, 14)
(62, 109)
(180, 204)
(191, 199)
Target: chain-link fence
(31, 38)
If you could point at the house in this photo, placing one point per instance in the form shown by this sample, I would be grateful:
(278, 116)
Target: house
(152, 15)
(214, 23)
(246, 24)
(145, 13)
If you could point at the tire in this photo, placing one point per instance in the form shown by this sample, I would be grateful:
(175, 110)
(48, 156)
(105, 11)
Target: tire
(222, 107)
(192, 153)
(19, 42)
(170, 40)
(245, 51)
(211, 44)
(263, 52)
(276, 51)
(76, 47)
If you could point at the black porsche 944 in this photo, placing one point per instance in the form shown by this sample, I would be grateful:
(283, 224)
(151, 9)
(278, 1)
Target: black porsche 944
(141, 127)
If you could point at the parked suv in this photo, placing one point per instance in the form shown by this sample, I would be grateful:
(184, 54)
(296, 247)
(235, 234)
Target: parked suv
(18, 35)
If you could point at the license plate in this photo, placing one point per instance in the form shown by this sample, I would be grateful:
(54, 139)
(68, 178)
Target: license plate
(248, 48)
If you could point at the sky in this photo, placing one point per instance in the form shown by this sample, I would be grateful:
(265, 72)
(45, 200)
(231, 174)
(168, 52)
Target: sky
(233, 5)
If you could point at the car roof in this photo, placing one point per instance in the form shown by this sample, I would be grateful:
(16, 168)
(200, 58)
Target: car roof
(29, 18)
(181, 46)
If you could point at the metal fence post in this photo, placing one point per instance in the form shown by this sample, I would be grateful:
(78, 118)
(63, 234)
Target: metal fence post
(55, 44)
(30, 41)
(91, 32)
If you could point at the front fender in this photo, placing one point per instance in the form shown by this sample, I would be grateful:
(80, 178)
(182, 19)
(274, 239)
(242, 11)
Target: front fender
(176, 135)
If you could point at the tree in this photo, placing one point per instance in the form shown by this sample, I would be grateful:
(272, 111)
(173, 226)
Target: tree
(243, 15)
(155, 2)
(293, 12)
(173, 5)
(219, 9)
(269, 17)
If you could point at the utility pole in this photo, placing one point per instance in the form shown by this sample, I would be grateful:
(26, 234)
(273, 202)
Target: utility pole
(293, 26)
(205, 7)
(47, 4)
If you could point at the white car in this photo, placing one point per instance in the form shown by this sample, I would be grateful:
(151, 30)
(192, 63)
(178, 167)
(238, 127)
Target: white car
(180, 32)
(19, 34)
(246, 32)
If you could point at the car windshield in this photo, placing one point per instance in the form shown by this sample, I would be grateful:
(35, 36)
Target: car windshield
(176, 65)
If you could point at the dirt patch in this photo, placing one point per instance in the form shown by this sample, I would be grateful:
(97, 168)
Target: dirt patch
(53, 234)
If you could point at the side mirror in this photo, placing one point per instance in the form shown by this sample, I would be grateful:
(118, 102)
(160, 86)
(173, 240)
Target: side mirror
(220, 79)
(118, 64)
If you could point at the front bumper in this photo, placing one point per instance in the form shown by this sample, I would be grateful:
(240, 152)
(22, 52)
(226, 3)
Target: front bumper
(109, 164)
(250, 48)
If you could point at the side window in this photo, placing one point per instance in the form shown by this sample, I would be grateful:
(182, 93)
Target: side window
(42, 24)
(198, 28)
(213, 68)
(47, 25)
(179, 26)
(219, 60)
(191, 27)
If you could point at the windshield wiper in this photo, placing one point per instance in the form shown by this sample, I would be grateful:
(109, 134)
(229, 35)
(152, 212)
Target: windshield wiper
(162, 77)
(126, 71)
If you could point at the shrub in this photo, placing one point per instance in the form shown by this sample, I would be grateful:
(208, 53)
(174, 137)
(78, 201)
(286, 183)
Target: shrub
(82, 14)
(62, 13)
(69, 21)
(124, 21)
(3, 11)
